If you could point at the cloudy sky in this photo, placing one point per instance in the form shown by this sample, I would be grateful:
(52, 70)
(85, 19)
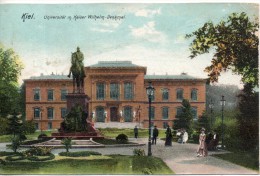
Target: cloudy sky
(151, 35)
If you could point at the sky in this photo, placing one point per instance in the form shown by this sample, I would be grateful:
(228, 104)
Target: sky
(149, 34)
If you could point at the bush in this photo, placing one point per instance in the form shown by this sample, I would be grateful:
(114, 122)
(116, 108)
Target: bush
(122, 139)
(49, 156)
(139, 152)
(147, 171)
(28, 127)
(15, 143)
(4, 153)
(38, 151)
(41, 136)
(67, 142)
(34, 141)
(79, 154)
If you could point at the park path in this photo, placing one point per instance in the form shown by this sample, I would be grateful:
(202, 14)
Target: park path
(181, 158)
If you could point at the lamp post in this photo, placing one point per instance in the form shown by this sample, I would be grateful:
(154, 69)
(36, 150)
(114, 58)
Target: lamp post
(41, 110)
(222, 103)
(150, 92)
(139, 113)
(211, 105)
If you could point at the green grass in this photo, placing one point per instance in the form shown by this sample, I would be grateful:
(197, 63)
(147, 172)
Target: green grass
(116, 164)
(142, 133)
(243, 158)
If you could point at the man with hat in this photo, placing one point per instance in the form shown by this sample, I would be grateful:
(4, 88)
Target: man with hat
(155, 135)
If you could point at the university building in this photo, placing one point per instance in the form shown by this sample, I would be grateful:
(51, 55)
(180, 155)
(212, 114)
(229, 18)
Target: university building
(117, 91)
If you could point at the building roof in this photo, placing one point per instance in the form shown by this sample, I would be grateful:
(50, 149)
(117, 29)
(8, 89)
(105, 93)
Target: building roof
(114, 64)
(182, 76)
(50, 77)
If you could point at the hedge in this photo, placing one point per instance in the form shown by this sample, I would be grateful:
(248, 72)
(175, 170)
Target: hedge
(16, 157)
(46, 157)
(79, 154)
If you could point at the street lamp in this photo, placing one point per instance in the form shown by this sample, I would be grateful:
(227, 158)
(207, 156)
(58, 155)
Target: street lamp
(41, 110)
(222, 103)
(211, 105)
(150, 92)
(139, 113)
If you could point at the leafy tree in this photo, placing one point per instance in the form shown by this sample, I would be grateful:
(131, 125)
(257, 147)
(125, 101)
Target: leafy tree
(204, 122)
(4, 125)
(185, 119)
(249, 118)
(235, 42)
(10, 69)
(15, 143)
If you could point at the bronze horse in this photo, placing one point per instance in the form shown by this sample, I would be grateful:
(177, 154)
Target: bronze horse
(77, 70)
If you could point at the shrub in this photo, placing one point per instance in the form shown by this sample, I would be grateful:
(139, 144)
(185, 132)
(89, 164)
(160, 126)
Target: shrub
(4, 153)
(38, 151)
(28, 127)
(3, 126)
(122, 138)
(67, 142)
(2, 162)
(79, 154)
(49, 156)
(41, 136)
(139, 152)
(34, 141)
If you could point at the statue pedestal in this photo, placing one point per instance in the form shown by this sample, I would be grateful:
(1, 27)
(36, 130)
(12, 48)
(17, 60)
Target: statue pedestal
(82, 100)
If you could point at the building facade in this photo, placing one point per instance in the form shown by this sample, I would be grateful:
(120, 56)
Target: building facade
(118, 94)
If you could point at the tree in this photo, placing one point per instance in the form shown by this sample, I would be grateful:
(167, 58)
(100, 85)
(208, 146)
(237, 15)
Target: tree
(67, 142)
(248, 119)
(235, 42)
(10, 69)
(15, 124)
(184, 120)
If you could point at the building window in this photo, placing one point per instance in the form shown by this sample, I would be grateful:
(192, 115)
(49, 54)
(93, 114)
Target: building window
(49, 125)
(50, 95)
(36, 113)
(36, 94)
(165, 124)
(194, 112)
(64, 92)
(165, 112)
(194, 94)
(63, 112)
(179, 94)
(36, 126)
(128, 90)
(165, 94)
(100, 91)
(100, 114)
(178, 111)
(128, 114)
(50, 113)
(114, 91)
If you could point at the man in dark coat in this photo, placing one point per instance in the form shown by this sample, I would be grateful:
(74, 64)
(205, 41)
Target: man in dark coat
(136, 132)
(155, 135)
(168, 141)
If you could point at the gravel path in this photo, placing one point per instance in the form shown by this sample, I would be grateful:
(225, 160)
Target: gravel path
(181, 158)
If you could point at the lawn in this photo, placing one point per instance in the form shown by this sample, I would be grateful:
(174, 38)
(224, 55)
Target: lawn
(246, 159)
(113, 164)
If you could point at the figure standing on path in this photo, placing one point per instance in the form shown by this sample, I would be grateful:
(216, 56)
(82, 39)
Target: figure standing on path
(155, 135)
(202, 149)
(185, 136)
(136, 132)
(168, 140)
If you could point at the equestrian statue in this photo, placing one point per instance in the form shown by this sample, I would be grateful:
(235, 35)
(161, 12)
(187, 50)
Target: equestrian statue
(77, 71)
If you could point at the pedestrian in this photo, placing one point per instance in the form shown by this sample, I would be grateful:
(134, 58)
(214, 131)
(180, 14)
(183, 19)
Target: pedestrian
(185, 136)
(136, 132)
(155, 135)
(168, 140)
(202, 149)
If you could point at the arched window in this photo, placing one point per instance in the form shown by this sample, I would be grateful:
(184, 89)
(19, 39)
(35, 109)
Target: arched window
(50, 113)
(36, 94)
(179, 94)
(114, 91)
(165, 112)
(194, 95)
(165, 94)
(128, 114)
(128, 90)
(36, 113)
(100, 91)
(100, 114)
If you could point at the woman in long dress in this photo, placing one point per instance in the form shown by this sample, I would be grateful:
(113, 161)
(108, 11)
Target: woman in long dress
(202, 149)
(185, 136)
